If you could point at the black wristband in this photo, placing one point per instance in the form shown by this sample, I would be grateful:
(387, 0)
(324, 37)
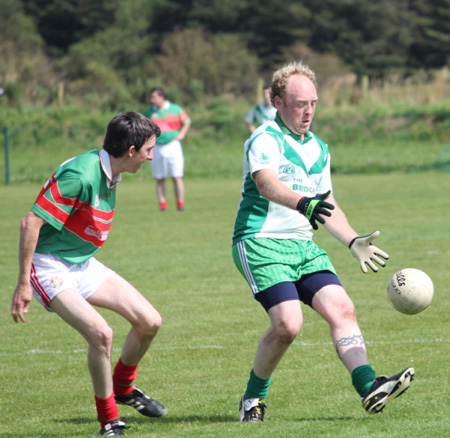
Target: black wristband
(353, 241)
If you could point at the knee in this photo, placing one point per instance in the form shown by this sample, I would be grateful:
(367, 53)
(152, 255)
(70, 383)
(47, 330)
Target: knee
(101, 338)
(148, 325)
(345, 310)
(287, 331)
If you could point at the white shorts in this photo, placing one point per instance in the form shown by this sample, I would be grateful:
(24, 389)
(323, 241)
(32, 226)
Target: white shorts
(51, 275)
(168, 160)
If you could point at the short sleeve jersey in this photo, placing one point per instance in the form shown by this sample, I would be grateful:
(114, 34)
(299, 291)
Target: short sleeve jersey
(260, 114)
(78, 204)
(301, 165)
(170, 119)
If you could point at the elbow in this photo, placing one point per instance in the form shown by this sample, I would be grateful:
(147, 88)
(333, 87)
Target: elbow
(24, 223)
(31, 220)
(262, 189)
(262, 184)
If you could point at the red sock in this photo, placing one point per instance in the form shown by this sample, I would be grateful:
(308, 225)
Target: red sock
(180, 204)
(107, 410)
(123, 378)
(163, 205)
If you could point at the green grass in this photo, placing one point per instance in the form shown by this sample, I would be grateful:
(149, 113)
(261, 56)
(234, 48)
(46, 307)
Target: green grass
(199, 362)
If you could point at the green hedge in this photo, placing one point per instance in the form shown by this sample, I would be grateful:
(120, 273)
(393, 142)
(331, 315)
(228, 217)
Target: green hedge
(361, 140)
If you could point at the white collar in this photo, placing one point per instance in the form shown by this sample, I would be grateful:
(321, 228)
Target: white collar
(105, 162)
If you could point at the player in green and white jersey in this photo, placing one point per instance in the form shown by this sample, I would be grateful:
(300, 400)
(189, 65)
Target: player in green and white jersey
(286, 192)
(66, 226)
(262, 112)
(301, 165)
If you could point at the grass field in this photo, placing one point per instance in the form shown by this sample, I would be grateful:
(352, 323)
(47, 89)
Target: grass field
(199, 363)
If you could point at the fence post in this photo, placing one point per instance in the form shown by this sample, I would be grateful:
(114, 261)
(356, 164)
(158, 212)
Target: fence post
(7, 168)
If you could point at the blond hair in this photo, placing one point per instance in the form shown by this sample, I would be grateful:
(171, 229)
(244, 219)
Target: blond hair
(281, 76)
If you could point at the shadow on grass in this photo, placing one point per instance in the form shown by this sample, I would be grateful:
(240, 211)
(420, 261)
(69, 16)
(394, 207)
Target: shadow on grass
(184, 419)
(191, 419)
(169, 419)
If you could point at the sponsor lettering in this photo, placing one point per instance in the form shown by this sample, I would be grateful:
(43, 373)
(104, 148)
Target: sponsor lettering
(100, 235)
(303, 189)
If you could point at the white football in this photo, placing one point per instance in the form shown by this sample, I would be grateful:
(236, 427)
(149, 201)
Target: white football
(410, 291)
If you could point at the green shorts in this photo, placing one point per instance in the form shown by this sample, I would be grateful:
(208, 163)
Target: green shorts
(265, 262)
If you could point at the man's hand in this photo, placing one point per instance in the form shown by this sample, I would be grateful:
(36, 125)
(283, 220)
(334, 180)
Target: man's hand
(313, 208)
(361, 247)
(20, 302)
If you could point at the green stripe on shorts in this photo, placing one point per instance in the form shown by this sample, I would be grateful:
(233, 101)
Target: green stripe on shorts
(265, 262)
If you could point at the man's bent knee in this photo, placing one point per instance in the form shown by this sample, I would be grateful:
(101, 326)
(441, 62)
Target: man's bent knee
(148, 326)
(101, 338)
(287, 331)
(346, 310)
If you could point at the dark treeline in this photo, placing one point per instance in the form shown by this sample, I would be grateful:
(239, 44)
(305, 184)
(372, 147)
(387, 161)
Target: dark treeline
(109, 52)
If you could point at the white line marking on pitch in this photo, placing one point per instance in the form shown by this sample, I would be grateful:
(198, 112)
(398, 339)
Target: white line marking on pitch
(221, 347)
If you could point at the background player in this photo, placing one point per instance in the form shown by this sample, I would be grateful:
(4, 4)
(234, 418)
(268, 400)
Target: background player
(261, 113)
(168, 158)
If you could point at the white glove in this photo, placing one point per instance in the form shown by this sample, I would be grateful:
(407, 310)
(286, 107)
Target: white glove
(361, 248)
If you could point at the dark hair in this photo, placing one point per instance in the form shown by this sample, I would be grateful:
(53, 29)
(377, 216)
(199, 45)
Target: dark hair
(128, 129)
(160, 92)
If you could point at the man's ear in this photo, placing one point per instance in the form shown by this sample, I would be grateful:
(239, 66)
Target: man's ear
(131, 150)
(277, 102)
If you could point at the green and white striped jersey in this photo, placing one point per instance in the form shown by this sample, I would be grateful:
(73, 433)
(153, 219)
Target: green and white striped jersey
(260, 114)
(301, 165)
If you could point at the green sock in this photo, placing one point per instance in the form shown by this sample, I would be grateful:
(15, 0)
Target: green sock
(257, 387)
(362, 379)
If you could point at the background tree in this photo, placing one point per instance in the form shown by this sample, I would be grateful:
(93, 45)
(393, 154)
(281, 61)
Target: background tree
(24, 68)
(431, 34)
(271, 25)
(212, 64)
(62, 23)
(107, 67)
(108, 51)
(372, 37)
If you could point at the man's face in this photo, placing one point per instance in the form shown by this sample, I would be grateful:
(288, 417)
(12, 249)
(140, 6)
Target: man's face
(298, 106)
(157, 100)
(137, 158)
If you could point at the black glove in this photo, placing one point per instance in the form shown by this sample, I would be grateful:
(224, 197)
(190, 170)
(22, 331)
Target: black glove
(312, 208)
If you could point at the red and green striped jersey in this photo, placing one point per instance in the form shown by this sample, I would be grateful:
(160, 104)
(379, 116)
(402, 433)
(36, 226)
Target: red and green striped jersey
(170, 119)
(78, 204)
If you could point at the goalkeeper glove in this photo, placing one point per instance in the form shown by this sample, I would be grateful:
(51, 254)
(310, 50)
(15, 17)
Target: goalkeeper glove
(312, 208)
(361, 247)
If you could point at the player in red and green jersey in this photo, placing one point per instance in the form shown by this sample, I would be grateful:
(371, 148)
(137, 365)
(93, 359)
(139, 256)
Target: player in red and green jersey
(168, 161)
(78, 201)
(66, 226)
